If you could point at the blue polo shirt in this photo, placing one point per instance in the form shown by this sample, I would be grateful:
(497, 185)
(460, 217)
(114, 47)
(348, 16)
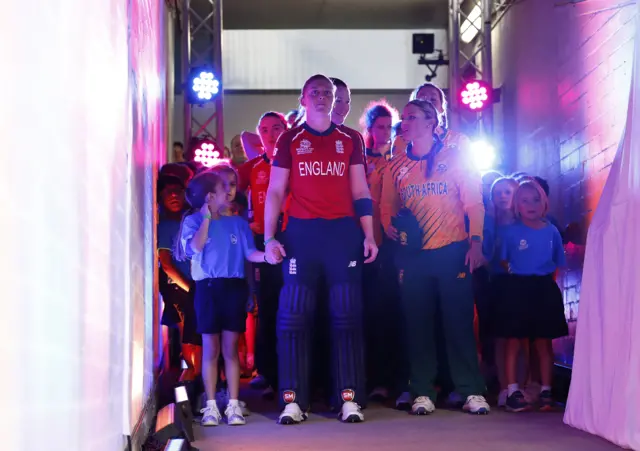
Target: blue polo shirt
(492, 243)
(531, 251)
(229, 243)
(168, 230)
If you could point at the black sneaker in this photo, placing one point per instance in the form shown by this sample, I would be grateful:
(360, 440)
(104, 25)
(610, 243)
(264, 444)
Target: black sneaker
(546, 401)
(516, 402)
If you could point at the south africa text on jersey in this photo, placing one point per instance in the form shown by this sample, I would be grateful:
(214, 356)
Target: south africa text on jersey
(322, 168)
(423, 190)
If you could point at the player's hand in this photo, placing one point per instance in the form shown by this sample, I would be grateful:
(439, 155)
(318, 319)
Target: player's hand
(474, 257)
(392, 233)
(205, 209)
(370, 250)
(274, 250)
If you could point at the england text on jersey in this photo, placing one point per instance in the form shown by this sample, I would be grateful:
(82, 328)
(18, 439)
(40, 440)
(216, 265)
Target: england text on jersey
(319, 180)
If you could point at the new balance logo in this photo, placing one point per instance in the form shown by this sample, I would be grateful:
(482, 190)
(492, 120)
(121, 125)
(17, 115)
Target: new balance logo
(352, 264)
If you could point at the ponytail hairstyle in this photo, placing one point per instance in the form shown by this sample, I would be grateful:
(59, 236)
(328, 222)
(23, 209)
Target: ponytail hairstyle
(338, 83)
(372, 112)
(430, 112)
(196, 196)
(302, 117)
(442, 117)
(295, 114)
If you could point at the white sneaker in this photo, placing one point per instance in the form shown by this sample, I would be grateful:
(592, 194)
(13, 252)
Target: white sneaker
(502, 398)
(210, 416)
(292, 414)
(476, 404)
(422, 405)
(233, 412)
(404, 401)
(351, 413)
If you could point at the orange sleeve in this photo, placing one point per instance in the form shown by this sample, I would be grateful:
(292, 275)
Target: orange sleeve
(469, 183)
(389, 199)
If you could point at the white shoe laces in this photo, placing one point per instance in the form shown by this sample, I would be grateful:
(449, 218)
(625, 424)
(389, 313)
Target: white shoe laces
(210, 411)
(233, 411)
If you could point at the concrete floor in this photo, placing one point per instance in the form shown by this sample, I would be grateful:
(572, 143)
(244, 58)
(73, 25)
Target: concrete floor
(386, 429)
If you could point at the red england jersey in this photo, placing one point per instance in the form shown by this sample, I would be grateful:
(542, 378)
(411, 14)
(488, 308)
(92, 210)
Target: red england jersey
(259, 183)
(319, 163)
(244, 173)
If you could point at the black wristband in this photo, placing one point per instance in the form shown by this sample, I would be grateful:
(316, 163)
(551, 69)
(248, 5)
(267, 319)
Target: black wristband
(363, 207)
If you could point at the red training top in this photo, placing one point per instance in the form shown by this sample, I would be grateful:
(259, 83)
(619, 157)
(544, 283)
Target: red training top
(319, 163)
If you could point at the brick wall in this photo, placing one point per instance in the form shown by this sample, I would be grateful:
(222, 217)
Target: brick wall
(565, 72)
(77, 224)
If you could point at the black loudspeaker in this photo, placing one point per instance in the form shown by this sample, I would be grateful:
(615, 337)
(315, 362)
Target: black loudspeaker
(423, 43)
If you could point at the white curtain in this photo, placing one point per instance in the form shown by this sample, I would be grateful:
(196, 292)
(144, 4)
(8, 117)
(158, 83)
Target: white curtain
(605, 388)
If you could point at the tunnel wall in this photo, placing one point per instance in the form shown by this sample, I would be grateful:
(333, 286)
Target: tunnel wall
(565, 73)
(82, 121)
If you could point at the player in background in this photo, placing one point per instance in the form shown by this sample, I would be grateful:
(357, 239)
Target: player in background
(380, 283)
(255, 176)
(320, 165)
(437, 186)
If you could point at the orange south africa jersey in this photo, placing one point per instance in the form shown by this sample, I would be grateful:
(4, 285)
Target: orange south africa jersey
(441, 201)
(375, 164)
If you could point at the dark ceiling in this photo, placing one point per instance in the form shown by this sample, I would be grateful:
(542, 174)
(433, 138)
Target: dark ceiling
(334, 14)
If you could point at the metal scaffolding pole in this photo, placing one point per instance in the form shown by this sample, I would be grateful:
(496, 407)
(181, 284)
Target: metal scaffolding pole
(487, 62)
(185, 37)
(202, 46)
(470, 25)
(454, 65)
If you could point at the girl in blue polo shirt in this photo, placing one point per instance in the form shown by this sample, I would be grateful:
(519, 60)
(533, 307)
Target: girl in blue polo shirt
(530, 305)
(218, 246)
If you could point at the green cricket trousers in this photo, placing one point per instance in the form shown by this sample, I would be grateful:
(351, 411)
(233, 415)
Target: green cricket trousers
(440, 277)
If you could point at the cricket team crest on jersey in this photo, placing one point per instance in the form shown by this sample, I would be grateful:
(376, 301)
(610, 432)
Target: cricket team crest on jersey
(523, 245)
(339, 147)
(403, 238)
(289, 396)
(441, 168)
(348, 395)
(305, 147)
(403, 172)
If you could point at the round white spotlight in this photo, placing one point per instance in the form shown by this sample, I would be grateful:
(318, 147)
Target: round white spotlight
(484, 155)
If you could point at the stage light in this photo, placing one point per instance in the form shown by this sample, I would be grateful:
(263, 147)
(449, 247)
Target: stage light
(476, 95)
(202, 86)
(207, 153)
(177, 444)
(484, 155)
(175, 421)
